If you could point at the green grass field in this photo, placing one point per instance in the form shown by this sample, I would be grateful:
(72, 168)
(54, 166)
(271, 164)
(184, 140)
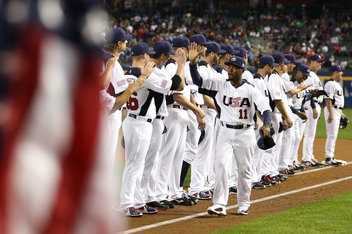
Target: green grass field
(331, 215)
(343, 134)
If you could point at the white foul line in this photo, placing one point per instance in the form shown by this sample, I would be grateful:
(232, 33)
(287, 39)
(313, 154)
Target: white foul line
(235, 206)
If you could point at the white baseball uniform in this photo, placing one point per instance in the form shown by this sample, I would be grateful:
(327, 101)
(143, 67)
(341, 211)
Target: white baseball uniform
(205, 148)
(248, 76)
(260, 164)
(171, 155)
(311, 125)
(335, 93)
(236, 136)
(276, 92)
(137, 128)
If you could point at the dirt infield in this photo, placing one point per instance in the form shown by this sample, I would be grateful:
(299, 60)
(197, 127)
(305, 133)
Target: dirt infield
(209, 223)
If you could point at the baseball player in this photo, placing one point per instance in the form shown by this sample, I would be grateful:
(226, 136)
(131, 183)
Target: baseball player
(299, 74)
(315, 62)
(198, 172)
(137, 126)
(236, 100)
(333, 112)
(172, 154)
(260, 163)
(285, 164)
(243, 53)
(281, 114)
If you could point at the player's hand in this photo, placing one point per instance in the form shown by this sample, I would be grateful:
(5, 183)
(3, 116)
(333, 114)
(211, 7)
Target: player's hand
(137, 85)
(194, 52)
(284, 125)
(315, 113)
(303, 86)
(148, 69)
(180, 57)
(289, 122)
(303, 116)
(330, 118)
(200, 118)
(266, 131)
(111, 62)
(256, 125)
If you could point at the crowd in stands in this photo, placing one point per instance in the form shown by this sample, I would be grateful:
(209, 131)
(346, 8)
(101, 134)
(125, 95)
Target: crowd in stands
(261, 29)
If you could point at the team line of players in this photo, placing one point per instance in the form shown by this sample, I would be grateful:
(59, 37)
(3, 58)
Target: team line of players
(194, 104)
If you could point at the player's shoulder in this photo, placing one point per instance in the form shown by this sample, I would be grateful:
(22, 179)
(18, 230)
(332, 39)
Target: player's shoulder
(202, 63)
(257, 76)
(171, 61)
(218, 68)
(132, 73)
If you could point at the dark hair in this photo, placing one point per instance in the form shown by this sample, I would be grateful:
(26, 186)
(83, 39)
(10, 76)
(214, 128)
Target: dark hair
(110, 47)
(155, 56)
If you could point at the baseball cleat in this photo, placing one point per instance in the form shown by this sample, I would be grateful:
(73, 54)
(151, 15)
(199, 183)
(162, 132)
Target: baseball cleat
(217, 209)
(243, 212)
(333, 162)
(157, 205)
(232, 190)
(133, 212)
(147, 210)
(258, 185)
(167, 203)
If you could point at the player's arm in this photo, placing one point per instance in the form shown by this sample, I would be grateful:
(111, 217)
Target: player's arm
(328, 102)
(281, 107)
(183, 101)
(329, 89)
(208, 101)
(178, 80)
(263, 110)
(106, 75)
(298, 89)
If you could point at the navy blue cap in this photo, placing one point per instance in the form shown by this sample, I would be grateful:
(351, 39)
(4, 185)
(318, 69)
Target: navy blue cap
(140, 48)
(187, 41)
(267, 60)
(228, 48)
(291, 58)
(163, 47)
(237, 61)
(266, 143)
(298, 62)
(315, 57)
(304, 69)
(241, 51)
(180, 42)
(199, 39)
(335, 68)
(214, 47)
(279, 58)
(117, 34)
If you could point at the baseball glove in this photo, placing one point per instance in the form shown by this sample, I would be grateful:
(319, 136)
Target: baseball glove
(343, 123)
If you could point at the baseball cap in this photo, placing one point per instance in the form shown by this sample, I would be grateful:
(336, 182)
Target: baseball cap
(267, 59)
(117, 34)
(266, 143)
(228, 48)
(199, 39)
(237, 61)
(315, 57)
(279, 58)
(304, 69)
(291, 58)
(335, 68)
(180, 42)
(241, 51)
(214, 47)
(140, 48)
(163, 47)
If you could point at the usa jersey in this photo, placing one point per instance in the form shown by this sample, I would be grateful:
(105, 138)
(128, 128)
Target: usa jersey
(335, 93)
(288, 86)
(235, 104)
(315, 83)
(260, 84)
(147, 101)
(207, 73)
(275, 88)
(248, 76)
(297, 99)
(222, 71)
